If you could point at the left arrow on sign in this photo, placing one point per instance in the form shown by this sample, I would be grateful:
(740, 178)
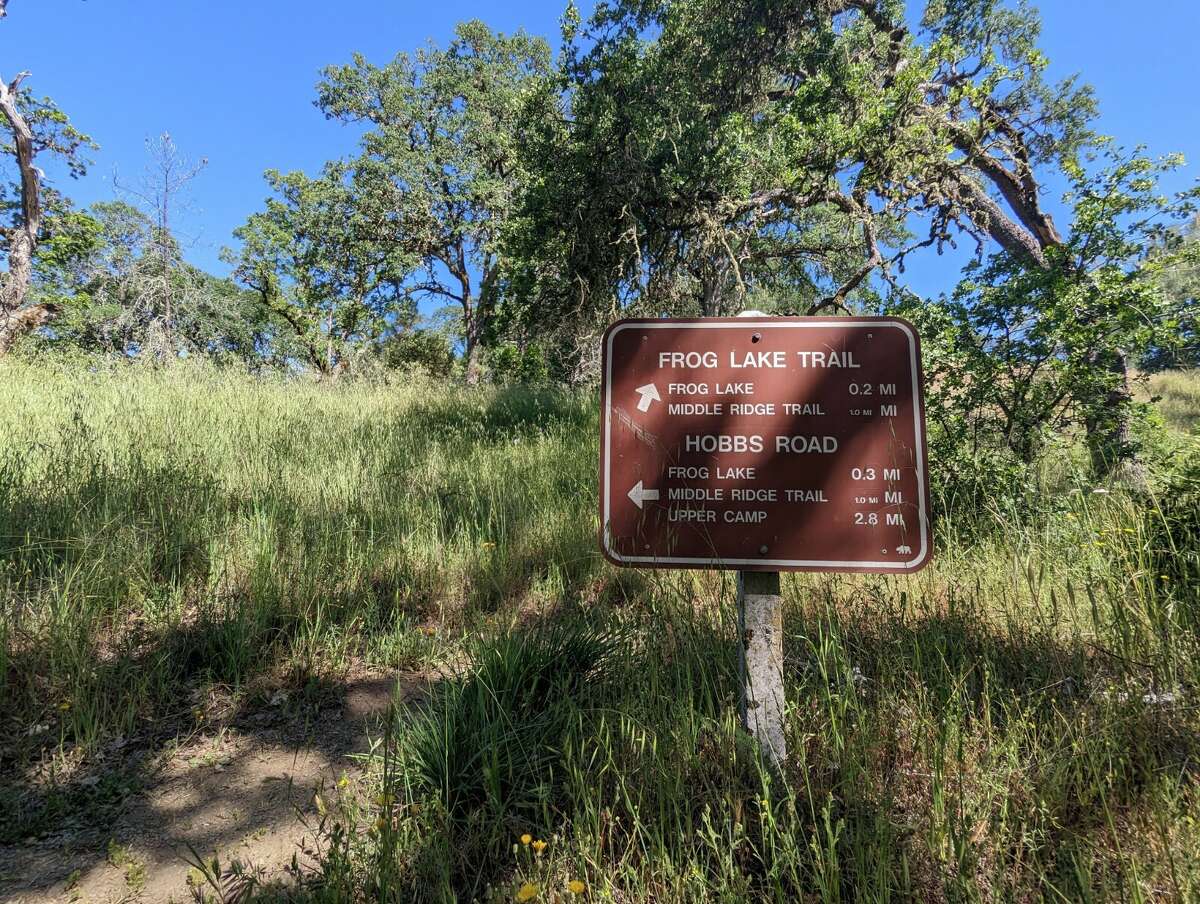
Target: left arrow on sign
(648, 393)
(638, 494)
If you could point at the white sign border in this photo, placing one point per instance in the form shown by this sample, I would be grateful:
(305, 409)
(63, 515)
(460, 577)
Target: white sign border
(768, 323)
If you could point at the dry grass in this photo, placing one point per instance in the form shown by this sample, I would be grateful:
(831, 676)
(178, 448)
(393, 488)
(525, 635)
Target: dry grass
(1178, 393)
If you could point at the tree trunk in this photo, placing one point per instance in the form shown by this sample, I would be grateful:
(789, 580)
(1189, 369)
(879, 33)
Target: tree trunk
(475, 310)
(15, 324)
(16, 321)
(471, 353)
(1110, 438)
(710, 298)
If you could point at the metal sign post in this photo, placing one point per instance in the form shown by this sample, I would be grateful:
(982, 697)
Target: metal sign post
(764, 444)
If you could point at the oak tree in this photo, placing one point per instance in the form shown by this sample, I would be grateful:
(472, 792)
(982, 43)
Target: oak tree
(949, 127)
(313, 260)
(441, 167)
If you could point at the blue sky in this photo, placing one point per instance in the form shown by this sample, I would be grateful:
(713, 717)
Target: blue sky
(233, 82)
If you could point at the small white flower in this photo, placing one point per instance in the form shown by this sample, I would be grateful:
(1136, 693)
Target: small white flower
(1163, 699)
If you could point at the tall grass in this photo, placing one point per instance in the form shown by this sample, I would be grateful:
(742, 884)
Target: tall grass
(1016, 722)
(163, 529)
(1178, 394)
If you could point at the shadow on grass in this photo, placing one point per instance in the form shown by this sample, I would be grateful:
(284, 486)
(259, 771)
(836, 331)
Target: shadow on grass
(113, 546)
(620, 733)
(904, 715)
(108, 537)
(239, 782)
(615, 725)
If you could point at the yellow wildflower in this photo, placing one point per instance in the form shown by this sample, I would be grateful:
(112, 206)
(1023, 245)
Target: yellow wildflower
(576, 887)
(343, 781)
(64, 706)
(539, 845)
(527, 892)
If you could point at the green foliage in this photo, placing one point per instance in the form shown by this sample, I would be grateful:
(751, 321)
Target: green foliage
(1018, 355)
(661, 194)
(60, 264)
(53, 134)
(424, 350)
(116, 279)
(490, 747)
(441, 166)
(313, 262)
(510, 364)
(1179, 278)
(1173, 524)
(792, 146)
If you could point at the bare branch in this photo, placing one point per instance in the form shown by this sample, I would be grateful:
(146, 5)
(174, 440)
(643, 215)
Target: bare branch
(15, 324)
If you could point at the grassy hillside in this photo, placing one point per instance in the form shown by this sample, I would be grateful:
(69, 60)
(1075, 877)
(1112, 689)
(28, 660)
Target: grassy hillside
(1017, 721)
(1178, 395)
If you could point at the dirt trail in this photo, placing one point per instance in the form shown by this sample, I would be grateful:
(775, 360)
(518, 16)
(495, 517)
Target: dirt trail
(242, 790)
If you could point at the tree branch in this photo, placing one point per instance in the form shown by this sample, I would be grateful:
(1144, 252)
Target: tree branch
(22, 240)
(1019, 190)
(31, 211)
(857, 208)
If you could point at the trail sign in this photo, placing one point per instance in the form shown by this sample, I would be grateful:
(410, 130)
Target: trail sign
(764, 444)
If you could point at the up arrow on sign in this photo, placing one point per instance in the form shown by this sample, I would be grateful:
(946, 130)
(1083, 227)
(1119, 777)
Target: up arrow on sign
(637, 494)
(648, 393)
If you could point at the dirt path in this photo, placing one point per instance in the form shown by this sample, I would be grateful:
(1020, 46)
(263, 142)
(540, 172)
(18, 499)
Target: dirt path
(242, 790)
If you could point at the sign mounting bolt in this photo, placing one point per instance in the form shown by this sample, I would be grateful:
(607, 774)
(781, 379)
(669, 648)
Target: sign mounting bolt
(763, 549)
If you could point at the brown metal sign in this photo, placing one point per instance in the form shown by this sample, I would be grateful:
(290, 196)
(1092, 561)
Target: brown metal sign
(764, 444)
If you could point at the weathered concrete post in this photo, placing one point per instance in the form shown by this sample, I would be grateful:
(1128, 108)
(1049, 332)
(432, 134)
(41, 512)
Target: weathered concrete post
(760, 662)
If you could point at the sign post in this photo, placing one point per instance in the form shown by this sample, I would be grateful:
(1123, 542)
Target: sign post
(762, 702)
(760, 662)
(764, 444)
